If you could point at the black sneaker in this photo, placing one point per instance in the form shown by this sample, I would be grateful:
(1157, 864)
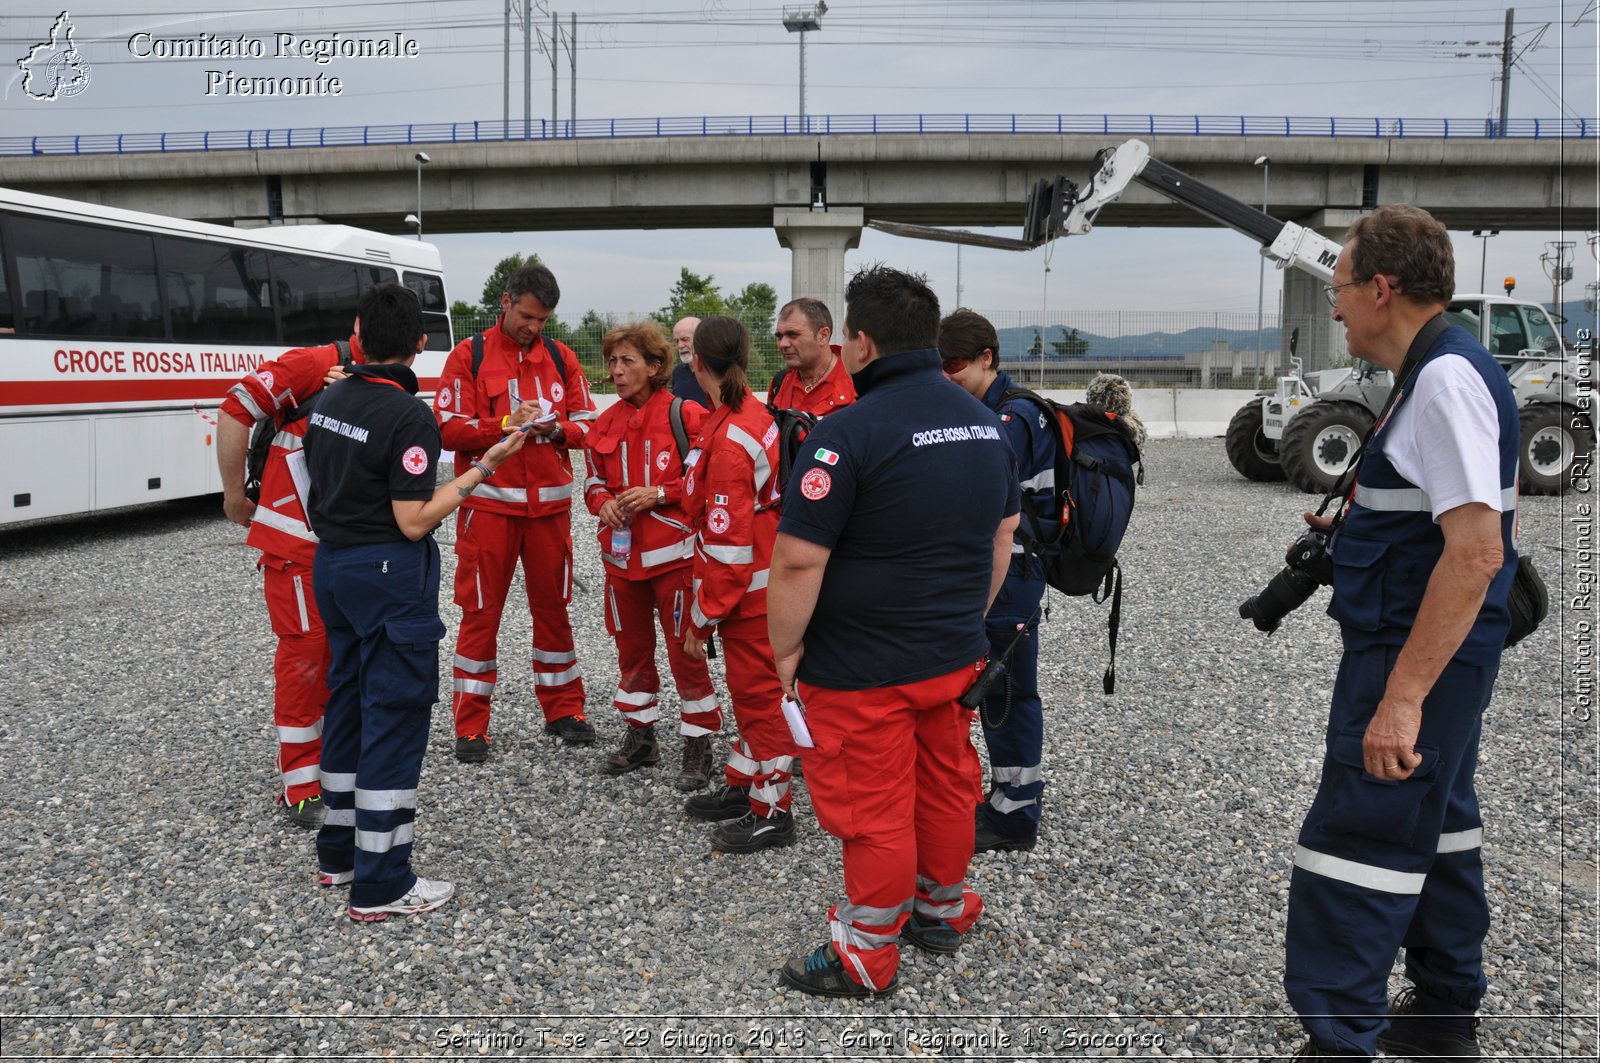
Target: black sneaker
(751, 833)
(986, 839)
(473, 749)
(931, 935)
(574, 730)
(696, 771)
(725, 802)
(639, 750)
(1418, 1035)
(307, 814)
(822, 975)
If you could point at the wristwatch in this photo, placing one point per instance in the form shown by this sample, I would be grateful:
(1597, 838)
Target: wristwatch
(661, 495)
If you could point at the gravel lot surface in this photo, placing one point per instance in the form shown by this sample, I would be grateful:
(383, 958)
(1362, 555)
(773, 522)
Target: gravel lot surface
(157, 905)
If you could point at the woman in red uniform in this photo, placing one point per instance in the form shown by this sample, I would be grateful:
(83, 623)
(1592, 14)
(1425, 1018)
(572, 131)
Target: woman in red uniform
(635, 488)
(731, 490)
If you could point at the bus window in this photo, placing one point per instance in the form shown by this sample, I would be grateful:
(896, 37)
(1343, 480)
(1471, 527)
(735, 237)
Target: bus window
(215, 291)
(8, 320)
(372, 276)
(316, 298)
(85, 280)
(430, 292)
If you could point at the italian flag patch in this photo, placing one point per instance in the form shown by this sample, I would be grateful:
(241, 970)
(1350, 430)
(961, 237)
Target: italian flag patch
(826, 456)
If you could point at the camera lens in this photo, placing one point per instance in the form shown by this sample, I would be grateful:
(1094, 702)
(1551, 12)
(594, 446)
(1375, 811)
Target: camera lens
(1286, 592)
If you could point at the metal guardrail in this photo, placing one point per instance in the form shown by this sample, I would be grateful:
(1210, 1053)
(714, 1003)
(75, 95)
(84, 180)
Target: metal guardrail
(811, 125)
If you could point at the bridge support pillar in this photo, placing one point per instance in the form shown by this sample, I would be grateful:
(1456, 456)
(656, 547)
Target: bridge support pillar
(1305, 307)
(817, 241)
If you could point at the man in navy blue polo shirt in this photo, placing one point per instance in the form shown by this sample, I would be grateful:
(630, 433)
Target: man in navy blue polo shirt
(896, 535)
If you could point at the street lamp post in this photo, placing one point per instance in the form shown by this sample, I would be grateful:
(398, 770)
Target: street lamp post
(1483, 262)
(803, 20)
(422, 160)
(1261, 268)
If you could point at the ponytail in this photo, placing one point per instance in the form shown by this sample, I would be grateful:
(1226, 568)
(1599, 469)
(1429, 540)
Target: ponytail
(723, 346)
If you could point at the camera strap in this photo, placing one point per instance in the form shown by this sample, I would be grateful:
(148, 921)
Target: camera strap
(1408, 368)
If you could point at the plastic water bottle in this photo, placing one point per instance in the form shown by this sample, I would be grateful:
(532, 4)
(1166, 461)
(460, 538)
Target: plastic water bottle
(622, 543)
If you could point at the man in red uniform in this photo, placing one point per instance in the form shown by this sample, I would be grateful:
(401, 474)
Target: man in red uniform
(278, 528)
(813, 378)
(521, 377)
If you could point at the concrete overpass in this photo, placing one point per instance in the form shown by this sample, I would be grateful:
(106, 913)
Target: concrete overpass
(739, 181)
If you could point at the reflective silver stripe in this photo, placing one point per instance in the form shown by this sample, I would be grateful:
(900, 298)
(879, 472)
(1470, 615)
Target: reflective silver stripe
(634, 697)
(944, 902)
(300, 600)
(301, 775)
(731, 555)
(554, 656)
(740, 762)
(611, 602)
(647, 715)
(341, 817)
(446, 415)
(284, 523)
(1045, 481)
(502, 494)
(758, 580)
(300, 734)
(467, 664)
(1367, 875)
(689, 730)
(669, 522)
(758, 455)
(555, 679)
(1017, 776)
(579, 416)
(279, 503)
(386, 800)
(1003, 804)
(590, 483)
(342, 781)
(705, 704)
(696, 617)
(1414, 499)
(1461, 841)
(676, 552)
(381, 841)
(624, 449)
(242, 393)
(613, 562)
(288, 441)
(770, 793)
(1016, 547)
(473, 686)
(851, 914)
(555, 494)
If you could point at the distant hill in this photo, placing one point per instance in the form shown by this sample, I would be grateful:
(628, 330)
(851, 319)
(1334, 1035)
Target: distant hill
(1015, 343)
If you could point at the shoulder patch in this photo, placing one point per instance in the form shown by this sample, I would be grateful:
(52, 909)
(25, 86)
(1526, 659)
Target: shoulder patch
(717, 520)
(266, 379)
(445, 395)
(827, 457)
(415, 461)
(816, 484)
(556, 391)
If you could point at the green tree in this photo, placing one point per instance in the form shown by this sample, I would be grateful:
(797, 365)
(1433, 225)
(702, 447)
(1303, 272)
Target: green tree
(1071, 345)
(692, 296)
(756, 305)
(495, 287)
(1036, 348)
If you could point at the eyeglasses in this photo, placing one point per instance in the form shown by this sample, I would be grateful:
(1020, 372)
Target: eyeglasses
(1331, 291)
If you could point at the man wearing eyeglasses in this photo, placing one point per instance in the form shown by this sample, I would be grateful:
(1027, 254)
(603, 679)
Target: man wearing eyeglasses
(1389, 855)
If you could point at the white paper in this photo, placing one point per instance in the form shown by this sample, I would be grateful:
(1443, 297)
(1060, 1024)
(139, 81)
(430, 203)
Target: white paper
(296, 461)
(795, 716)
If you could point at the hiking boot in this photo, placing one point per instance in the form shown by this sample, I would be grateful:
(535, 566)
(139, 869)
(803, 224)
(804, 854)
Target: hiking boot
(751, 833)
(1417, 1034)
(696, 771)
(335, 878)
(473, 749)
(574, 730)
(797, 770)
(425, 895)
(725, 802)
(931, 935)
(985, 839)
(308, 813)
(822, 975)
(639, 750)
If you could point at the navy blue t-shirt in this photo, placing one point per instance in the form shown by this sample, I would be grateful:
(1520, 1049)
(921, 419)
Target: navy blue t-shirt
(906, 488)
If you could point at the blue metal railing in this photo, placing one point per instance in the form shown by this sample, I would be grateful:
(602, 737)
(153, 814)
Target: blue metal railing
(812, 125)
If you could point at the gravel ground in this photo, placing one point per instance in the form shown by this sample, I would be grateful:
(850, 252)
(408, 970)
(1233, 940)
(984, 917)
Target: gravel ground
(158, 906)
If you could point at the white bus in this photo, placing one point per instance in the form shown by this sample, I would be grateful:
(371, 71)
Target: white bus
(121, 332)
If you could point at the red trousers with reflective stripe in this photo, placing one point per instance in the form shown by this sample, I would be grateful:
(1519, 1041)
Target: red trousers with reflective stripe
(299, 673)
(757, 696)
(632, 608)
(895, 778)
(488, 547)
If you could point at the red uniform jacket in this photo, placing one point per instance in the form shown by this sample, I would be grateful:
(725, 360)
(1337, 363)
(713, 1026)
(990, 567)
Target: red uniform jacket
(634, 447)
(536, 481)
(731, 493)
(834, 390)
(279, 527)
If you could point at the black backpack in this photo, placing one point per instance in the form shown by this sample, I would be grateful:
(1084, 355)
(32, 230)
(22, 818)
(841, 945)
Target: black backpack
(267, 429)
(793, 427)
(1097, 466)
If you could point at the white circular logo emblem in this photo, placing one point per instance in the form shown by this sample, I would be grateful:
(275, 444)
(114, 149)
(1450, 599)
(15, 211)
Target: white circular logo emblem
(445, 396)
(718, 520)
(816, 484)
(556, 392)
(663, 459)
(266, 379)
(688, 485)
(415, 461)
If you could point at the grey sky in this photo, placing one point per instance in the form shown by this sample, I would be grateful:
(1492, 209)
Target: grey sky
(661, 58)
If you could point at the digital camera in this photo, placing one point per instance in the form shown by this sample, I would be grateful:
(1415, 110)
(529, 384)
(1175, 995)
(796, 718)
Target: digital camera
(1307, 568)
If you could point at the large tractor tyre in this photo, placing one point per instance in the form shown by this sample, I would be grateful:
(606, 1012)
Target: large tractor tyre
(1319, 443)
(1549, 443)
(1252, 453)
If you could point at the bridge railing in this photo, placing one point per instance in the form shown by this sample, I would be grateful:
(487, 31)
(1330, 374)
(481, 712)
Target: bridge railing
(811, 125)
